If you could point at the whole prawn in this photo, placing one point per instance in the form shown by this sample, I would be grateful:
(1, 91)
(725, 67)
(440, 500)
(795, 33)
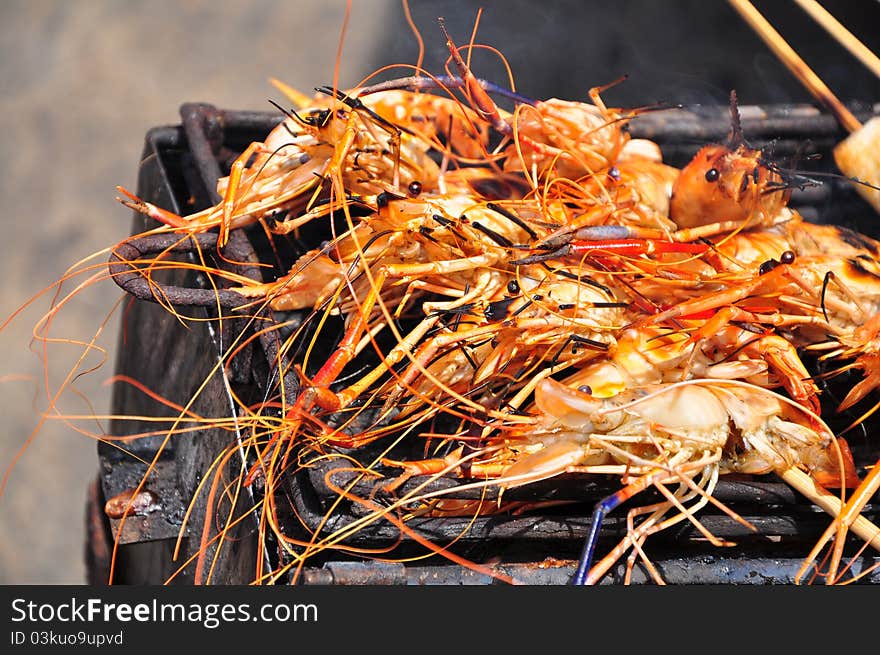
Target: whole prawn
(728, 182)
(336, 138)
(682, 435)
(485, 316)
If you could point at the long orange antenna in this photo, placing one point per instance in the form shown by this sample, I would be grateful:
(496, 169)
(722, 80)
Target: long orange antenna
(339, 48)
(418, 35)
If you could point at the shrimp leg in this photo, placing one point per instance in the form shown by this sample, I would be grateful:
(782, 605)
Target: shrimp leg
(600, 511)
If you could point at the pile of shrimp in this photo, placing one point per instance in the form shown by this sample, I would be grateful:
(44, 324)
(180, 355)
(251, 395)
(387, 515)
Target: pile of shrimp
(532, 294)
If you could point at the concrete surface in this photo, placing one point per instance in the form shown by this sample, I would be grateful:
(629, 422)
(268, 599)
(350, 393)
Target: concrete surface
(80, 83)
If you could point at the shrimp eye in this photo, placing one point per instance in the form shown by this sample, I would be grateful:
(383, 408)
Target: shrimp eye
(712, 175)
(767, 266)
(318, 117)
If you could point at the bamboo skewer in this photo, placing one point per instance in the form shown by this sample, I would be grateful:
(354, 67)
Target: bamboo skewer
(831, 504)
(857, 156)
(842, 35)
(795, 64)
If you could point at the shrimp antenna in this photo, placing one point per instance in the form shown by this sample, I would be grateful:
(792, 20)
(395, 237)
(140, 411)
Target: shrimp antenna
(290, 113)
(735, 136)
(808, 178)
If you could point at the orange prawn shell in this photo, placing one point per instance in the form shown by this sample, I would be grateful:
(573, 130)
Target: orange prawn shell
(434, 118)
(576, 138)
(740, 189)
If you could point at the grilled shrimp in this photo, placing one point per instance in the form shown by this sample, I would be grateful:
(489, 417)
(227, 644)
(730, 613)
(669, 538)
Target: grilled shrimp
(676, 437)
(728, 183)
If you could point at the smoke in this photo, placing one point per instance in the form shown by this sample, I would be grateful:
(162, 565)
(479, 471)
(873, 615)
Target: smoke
(688, 51)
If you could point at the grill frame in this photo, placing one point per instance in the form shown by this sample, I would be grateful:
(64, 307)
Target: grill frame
(183, 162)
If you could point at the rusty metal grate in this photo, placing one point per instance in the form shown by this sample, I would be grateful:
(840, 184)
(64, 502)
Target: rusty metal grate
(179, 170)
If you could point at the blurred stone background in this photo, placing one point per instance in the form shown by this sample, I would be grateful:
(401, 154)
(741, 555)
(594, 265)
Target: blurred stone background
(80, 84)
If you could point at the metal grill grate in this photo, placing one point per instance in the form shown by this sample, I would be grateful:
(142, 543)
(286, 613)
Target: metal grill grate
(179, 170)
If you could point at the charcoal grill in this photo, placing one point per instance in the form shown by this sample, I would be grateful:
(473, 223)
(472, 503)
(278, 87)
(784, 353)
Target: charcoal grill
(178, 170)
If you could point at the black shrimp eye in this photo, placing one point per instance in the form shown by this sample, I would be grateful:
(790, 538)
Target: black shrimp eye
(513, 287)
(382, 200)
(787, 257)
(414, 188)
(767, 266)
(712, 175)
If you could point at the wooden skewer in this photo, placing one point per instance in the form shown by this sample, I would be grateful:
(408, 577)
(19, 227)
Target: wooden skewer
(842, 35)
(795, 64)
(831, 504)
(855, 156)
